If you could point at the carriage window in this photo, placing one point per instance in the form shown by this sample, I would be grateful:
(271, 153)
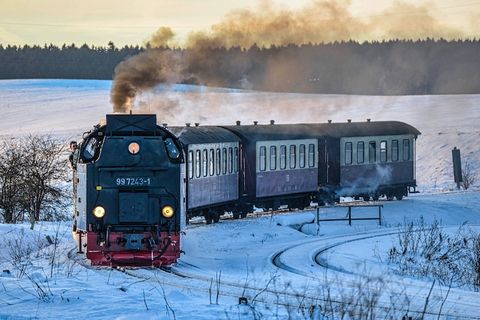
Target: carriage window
(190, 164)
(302, 156)
(283, 157)
(394, 150)
(372, 151)
(204, 162)
(197, 164)
(293, 156)
(406, 149)
(224, 161)
(360, 152)
(172, 150)
(383, 151)
(218, 162)
(235, 160)
(273, 158)
(311, 155)
(263, 158)
(211, 162)
(230, 160)
(348, 153)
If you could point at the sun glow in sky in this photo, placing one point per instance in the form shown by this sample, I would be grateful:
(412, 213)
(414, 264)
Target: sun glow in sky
(132, 22)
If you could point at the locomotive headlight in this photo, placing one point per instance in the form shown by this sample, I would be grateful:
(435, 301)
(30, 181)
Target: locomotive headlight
(134, 148)
(168, 211)
(99, 212)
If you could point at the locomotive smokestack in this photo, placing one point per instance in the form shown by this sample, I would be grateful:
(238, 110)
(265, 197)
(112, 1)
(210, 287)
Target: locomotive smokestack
(329, 121)
(368, 119)
(187, 124)
(238, 122)
(272, 122)
(255, 123)
(197, 124)
(165, 124)
(349, 120)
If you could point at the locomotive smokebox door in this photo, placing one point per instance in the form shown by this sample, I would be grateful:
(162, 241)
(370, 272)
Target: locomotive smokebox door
(133, 207)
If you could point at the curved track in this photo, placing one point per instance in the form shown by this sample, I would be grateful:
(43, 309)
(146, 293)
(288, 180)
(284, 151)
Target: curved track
(458, 303)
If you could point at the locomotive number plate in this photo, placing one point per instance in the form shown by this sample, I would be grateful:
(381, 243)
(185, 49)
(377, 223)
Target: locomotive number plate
(133, 181)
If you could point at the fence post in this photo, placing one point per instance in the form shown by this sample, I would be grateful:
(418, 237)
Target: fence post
(380, 215)
(317, 217)
(349, 215)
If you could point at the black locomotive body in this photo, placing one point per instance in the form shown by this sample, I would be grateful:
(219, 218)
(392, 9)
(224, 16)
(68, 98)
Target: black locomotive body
(128, 192)
(135, 192)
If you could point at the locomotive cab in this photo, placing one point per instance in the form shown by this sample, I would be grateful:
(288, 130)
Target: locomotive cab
(127, 200)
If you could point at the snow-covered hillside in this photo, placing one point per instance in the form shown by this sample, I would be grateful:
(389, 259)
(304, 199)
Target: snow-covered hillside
(282, 272)
(69, 107)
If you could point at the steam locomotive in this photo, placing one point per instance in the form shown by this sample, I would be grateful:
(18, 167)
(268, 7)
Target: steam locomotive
(137, 183)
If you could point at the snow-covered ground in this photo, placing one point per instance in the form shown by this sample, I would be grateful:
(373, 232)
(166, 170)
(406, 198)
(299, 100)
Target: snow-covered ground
(274, 266)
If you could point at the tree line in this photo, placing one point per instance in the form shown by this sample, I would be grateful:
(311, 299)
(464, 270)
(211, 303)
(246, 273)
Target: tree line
(385, 67)
(65, 62)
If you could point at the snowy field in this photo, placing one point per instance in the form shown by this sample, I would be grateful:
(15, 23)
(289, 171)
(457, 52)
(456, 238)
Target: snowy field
(282, 272)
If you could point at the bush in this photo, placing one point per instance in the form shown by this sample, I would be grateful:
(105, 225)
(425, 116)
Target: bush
(428, 251)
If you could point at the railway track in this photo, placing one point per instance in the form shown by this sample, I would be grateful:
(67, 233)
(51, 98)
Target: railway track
(315, 265)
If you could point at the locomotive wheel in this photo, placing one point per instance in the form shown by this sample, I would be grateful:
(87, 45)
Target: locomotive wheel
(236, 215)
(399, 197)
(216, 217)
(243, 215)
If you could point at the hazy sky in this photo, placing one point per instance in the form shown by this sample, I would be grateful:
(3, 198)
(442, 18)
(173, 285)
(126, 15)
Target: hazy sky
(132, 22)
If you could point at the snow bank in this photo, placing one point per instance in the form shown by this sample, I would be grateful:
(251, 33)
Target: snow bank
(296, 219)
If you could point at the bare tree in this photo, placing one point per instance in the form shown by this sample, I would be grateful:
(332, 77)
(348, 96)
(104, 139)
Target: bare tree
(11, 181)
(32, 170)
(44, 168)
(468, 175)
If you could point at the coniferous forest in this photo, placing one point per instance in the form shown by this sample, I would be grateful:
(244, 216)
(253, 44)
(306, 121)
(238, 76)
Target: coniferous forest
(387, 67)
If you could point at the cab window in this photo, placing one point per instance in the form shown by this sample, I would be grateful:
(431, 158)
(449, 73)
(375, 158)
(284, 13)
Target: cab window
(172, 149)
(90, 149)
